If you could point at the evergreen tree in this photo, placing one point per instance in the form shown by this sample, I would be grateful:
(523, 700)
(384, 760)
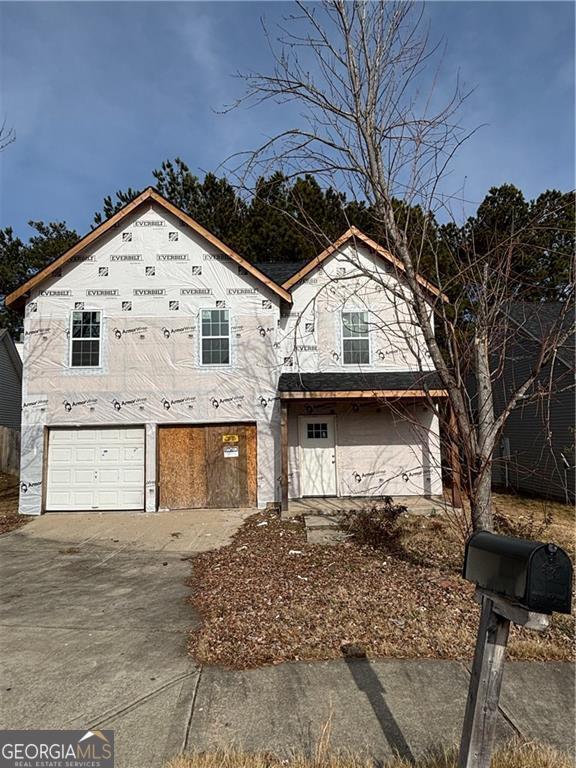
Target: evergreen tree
(19, 261)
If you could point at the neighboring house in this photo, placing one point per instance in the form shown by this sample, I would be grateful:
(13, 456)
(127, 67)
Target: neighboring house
(11, 382)
(10, 404)
(163, 370)
(536, 450)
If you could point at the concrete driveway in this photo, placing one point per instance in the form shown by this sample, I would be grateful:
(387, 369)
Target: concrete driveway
(93, 623)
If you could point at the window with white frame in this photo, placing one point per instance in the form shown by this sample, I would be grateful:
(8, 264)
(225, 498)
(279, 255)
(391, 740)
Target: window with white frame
(215, 337)
(85, 339)
(355, 340)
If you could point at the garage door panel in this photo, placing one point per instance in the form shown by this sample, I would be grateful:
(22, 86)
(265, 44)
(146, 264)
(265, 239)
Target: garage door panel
(61, 454)
(133, 498)
(80, 477)
(110, 475)
(132, 475)
(110, 455)
(131, 433)
(83, 435)
(85, 455)
(133, 454)
(95, 469)
(83, 499)
(62, 476)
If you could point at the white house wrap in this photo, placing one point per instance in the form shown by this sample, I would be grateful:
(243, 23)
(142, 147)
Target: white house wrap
(150, 277)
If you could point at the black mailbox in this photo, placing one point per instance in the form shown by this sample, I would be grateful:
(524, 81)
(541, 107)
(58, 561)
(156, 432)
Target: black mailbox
(537, 576)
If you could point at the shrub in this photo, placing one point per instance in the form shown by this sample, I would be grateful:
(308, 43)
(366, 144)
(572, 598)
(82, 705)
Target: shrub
(377, 526)
(523, 527)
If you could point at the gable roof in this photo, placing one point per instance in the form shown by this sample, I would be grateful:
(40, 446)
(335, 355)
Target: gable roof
(17, 297)
(356, 234)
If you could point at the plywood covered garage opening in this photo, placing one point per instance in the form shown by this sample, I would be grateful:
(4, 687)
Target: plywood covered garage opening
(208, 466)
(95, 469)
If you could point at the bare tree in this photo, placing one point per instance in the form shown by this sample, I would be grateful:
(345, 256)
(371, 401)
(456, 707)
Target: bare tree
(371, 121)
(7, 135)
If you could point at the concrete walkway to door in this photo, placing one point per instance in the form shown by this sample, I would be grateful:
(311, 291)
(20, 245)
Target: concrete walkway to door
(187, 530)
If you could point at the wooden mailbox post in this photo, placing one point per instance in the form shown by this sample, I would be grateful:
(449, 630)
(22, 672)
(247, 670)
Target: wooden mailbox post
(517, 581)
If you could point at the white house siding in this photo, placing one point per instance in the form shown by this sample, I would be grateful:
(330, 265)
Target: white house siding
(380, 449)
(150, 372)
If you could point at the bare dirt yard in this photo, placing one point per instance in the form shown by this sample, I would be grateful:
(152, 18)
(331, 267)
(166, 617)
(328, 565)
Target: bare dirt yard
(271, 597)
(9, 517)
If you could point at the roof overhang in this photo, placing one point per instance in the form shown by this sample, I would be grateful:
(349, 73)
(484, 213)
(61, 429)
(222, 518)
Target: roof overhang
(380, 394)
(18, 297)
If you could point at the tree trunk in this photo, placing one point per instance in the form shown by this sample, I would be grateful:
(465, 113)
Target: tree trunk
(481, 501)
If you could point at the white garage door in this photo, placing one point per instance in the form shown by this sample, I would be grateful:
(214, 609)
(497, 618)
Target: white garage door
(95, 469)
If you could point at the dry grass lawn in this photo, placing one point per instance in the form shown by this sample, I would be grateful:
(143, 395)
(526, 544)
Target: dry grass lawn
(513, 755)
(271, 597)
(9, 517)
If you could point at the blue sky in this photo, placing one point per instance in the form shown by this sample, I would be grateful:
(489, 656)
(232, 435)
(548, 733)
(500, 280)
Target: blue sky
(100, 93)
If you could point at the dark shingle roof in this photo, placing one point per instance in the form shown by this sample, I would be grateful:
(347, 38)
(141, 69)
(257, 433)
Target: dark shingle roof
(280, 271)
(340, 382)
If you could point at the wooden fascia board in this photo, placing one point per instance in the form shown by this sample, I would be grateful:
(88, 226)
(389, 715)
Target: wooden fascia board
(188, 220)
(384, 394)
(316, 261)
(374, 246)
(17, 297)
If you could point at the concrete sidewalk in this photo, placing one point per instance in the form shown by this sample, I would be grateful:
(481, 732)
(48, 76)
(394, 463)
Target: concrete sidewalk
(377, 707)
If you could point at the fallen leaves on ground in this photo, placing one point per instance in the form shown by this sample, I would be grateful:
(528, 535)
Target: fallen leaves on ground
(270, 597)
(9, 517)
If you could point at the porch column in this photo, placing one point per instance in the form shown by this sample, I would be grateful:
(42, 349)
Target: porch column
(455, 468)
(284, 454)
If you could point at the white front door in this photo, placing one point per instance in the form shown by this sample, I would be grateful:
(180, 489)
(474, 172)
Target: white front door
(95, 469)
(317, 456)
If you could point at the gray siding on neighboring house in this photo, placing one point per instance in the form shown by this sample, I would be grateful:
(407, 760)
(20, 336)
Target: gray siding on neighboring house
(10, 383)
(539, 433)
